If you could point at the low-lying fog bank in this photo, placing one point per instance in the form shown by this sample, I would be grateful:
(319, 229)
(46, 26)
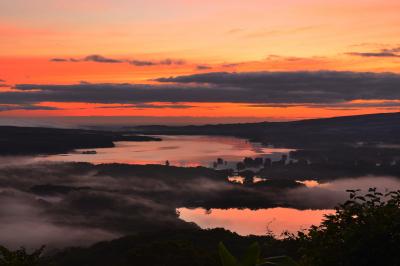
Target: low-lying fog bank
(64, 204)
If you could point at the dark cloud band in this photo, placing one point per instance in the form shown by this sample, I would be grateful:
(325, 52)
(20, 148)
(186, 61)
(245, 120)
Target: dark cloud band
(323, 87)
(378, 54)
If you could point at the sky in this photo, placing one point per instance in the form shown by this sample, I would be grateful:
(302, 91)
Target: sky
(222, 60)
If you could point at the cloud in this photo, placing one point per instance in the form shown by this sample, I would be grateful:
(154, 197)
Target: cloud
(11, 107)
(377, 54)
(90, 58)
(296, 87)
(203, 67)
(59, 60)
(101, 59)
(150, 106)
(2, 80)
(321, 87)
(392, 52)
(155, 63)
(386, 104)
(172, 62)
(162, 106)
(141, 63)
(232, 64)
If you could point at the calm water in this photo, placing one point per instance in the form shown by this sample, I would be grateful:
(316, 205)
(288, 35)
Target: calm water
(256, 222)
(178, 150)
(314, 195)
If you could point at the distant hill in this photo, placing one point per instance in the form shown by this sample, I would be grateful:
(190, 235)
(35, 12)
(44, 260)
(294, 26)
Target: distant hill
(375, 128)
(304, 133)
(35, 140)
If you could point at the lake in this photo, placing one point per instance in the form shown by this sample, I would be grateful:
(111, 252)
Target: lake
(255, 222)
(178, 150)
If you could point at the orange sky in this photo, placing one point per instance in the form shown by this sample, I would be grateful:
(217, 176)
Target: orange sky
(205, 36)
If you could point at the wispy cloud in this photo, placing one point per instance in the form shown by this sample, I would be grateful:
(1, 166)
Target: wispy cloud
(149, 106)
(377, 54)
(203, 67)
(102, 59)
(393, 52)
(349, 105)
(235, 30)
(29, 107)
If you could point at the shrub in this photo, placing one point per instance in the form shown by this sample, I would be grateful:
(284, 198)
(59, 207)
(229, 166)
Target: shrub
(252, 257)
(20, 257)
(365, 230)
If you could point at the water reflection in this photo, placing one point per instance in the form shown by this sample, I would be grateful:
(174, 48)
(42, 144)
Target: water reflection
(236, 179)
(178, 150)
(313, 201)
(310, 183)
(240, 179)
(257, 222)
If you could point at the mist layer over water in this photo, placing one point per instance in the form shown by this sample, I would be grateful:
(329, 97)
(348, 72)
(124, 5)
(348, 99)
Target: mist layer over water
(61, 204)
(314, 202)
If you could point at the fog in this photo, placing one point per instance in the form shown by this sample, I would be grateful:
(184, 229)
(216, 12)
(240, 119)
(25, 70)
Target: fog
(23, 223)
(80, 209)
(70, 204)
(328, 195)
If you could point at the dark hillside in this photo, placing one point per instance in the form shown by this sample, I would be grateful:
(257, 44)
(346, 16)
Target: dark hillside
(375, 128)
(31, 140)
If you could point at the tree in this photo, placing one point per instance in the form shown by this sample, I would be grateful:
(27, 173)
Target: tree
(365, 230)
(252, 257)
(20, 257)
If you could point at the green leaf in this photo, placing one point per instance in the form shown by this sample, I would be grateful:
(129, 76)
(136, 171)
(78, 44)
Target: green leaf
(279, 261)
(227, 259)
(252, 255)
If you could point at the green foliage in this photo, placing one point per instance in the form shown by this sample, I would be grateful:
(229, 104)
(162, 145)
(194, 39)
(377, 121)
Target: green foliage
(177, 253)
(20, 257)
(252, 258)
(365, 230)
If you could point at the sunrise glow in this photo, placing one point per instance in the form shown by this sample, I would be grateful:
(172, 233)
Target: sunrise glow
(136, 42)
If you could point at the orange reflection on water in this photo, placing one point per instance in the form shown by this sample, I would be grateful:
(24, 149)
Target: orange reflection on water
(256, 222)
(188, 151)
(310, 183)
